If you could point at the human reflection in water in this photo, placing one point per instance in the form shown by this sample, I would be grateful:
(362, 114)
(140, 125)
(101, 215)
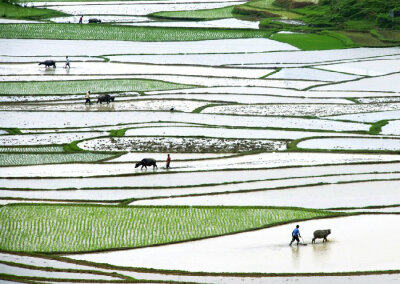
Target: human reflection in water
(296, 256)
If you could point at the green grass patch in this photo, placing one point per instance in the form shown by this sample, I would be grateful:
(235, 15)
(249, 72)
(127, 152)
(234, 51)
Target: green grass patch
(200, 109)
(8, 10)
(128, 33)
(118, 133)
(206, 14)
(81, 87)
(255, 12)
(314, 41)
(32, 149)
(386, 36)
(74, 228)
(23, 159)
(376, 128)
(263, 4)
(12, 131)
(363, 38)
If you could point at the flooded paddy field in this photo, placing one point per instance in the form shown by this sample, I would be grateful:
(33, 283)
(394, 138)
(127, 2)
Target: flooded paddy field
(262, 136)
(260, 251)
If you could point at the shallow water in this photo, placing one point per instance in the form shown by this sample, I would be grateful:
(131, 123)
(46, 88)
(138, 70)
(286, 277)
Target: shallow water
(136, 8)
(36, 59)
(324, 196)
(39, 47)
(13, 270)
(377, 84)
(41, 262)
(279, 92)
(280, 57)
(225, 133)
(47, 139)
(110, 68)
(366, 68)
(118, 105)
(22, 119)
(370, 117)
(265, 160)
(184, 179)
(319, 110)
(351, 143)
(233, 82)
(311, 74)
(103, 18)
(267, 250)
(250, 98)
(121, 194)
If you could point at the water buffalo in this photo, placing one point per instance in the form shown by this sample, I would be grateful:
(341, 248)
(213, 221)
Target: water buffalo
(48, 63)
(146, 162)
(94, 20)
(321, 234)
(105, 98)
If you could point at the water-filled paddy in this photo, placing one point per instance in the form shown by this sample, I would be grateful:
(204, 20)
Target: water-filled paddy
(109, 68)
(47, 139)
(303, 109)
(37, 59)
(82, 119)
(370, 117)
(222, 23)
(180, 179)
(43, 47)
(280, 92)
(141, 8)
(103, 18)
(367, 68)
(377, 84)
(352, 144)
(297, 57)
(324, 196)
(13, 270)
(249, 98)
(142, 105)
(267, 250)
(303, 185)
(234, 82)
(311, 74)
(225, 133)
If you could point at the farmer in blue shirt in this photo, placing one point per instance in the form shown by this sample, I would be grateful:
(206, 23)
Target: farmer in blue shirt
(295, 235)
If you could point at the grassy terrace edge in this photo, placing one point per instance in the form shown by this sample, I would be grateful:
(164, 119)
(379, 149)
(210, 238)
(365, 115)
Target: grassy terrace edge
(124, 33)
(105, 227)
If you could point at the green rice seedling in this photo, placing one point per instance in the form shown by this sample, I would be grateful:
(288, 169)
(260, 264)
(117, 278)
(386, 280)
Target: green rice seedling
(314, 41)
(8, 10)
(81, 87)
(21, 159)
(129, 33)
(34, 149)
(75, 228)
(206, 14)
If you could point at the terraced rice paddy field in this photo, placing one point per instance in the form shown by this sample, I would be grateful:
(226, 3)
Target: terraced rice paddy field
(262, 134)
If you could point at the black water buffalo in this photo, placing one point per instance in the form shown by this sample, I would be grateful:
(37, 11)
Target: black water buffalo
(94, 20)
(146, 162)
(105, 98)
(321, 234)
(48, 63)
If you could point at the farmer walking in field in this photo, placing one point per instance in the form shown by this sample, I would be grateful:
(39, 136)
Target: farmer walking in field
(295, 235)
(168, 161)
(87, 98)
(67, 62)
(80, 19)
